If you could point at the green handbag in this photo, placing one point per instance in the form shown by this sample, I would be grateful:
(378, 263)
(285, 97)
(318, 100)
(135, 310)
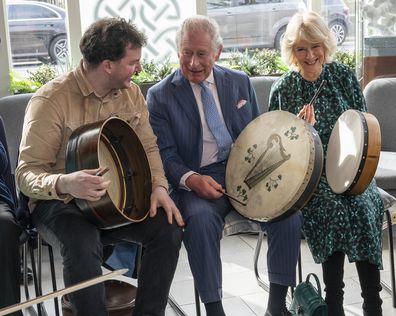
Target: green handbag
(307, 301)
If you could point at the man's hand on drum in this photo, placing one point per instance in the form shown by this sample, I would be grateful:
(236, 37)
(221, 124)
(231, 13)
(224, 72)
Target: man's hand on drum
(83, 184)
(204, 186)
(307, 113)
(161, 198)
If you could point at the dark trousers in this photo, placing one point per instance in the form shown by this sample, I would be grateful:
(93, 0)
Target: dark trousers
(81, 244)
(10, 265)
(369, 278)
(204, 229)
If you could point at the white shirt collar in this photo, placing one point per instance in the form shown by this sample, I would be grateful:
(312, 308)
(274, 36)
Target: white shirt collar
(209, 79)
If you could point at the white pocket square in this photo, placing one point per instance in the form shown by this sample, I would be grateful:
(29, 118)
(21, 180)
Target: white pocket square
(240, 104)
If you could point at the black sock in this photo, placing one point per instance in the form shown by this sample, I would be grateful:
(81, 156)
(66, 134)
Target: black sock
(277, 298)
(214, 309)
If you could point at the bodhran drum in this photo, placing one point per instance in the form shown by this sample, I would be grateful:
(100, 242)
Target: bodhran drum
(120, 299)
(274, 166)
(353, 152)
(113, 144)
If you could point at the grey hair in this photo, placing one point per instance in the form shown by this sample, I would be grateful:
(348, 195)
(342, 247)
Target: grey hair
(307, 26)
(200, 23)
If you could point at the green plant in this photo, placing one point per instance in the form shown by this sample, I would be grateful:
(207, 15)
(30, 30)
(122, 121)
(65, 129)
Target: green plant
(43, 74)
(35, 79)
(269, 62)
(345, 57)
(242, 61)
(19, 84)
(258, 62)
(153, 71)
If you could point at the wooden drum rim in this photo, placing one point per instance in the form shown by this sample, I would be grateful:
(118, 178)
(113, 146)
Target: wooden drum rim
(366, 164)
(132, 167)
(127, 289)
(370, 156)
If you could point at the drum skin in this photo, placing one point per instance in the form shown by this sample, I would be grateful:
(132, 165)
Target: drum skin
(112, 143)
(353, 152)
(274, 166)
(120, 299)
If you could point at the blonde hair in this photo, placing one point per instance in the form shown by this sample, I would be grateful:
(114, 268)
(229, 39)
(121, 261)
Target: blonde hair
(307, 26)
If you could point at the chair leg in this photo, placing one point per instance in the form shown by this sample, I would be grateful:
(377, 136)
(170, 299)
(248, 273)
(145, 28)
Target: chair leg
(37, 286)
(391, 289)
(30, 310)
(52, 268)
(257, 251)
(53, 278)
(179, 311)
(260, 281)
(299, 268)
(25, 278)
(197, 301)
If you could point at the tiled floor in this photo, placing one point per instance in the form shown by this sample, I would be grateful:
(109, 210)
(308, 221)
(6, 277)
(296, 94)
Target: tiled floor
(242, 295)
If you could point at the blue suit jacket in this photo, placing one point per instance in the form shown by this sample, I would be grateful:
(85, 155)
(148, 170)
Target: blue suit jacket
(175, 118)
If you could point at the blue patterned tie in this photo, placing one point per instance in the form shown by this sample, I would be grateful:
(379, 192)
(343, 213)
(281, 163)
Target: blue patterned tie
(216, 126)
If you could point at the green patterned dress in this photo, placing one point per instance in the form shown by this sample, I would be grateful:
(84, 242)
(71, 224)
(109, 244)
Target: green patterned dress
(334, 222)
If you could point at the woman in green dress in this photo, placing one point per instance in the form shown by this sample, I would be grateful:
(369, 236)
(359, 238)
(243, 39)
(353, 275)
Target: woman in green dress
(335, 225)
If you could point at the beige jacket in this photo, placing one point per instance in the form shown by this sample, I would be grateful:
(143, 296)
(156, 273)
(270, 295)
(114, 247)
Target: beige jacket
(55, 111)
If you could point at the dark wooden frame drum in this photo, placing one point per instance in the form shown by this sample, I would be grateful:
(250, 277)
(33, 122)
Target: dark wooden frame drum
(353, 152)
(120, 299)
(274, 166)
(114, 144)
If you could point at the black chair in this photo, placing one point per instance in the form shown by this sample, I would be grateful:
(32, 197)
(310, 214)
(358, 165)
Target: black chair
(12, 109)
(28, 236)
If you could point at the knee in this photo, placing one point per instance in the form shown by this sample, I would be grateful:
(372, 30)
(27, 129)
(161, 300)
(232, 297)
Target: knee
(205, 221)
(173, 235)
(82, 247)
(290, 226)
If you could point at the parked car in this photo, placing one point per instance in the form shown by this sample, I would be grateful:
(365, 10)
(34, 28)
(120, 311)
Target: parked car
(37, 30)
(337, 14)
(262, 23)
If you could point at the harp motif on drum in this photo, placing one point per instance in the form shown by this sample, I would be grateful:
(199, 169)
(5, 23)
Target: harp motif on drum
(274, 166)
(272, 158)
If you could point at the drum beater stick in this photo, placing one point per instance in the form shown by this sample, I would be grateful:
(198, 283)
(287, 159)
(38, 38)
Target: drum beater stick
(317, 92)
(232, 198)
(67, 290)
(102, 172)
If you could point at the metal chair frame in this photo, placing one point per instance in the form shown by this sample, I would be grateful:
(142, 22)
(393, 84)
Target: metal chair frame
(29, 247)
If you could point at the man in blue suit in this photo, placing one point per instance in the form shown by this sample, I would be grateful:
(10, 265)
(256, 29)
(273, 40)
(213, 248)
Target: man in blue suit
(195, 160)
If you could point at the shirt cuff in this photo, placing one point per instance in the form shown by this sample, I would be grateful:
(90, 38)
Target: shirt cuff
(182, 184)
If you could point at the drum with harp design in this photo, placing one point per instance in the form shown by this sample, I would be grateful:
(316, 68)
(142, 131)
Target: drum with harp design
(274, 166)
(353, 152)
(113, 144)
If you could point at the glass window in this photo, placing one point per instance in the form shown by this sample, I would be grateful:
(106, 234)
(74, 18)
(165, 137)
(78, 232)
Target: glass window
(254, 23)
(38, 34)
(261, 23)
(28, 11)
(378, 33)
(212, 4)
(337, 14)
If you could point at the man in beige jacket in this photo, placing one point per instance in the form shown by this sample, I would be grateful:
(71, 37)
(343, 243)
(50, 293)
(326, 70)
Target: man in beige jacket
(99, 88)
